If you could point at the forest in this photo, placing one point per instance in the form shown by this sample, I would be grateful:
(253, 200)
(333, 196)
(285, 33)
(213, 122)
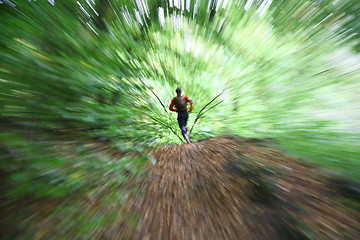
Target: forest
(86, 131)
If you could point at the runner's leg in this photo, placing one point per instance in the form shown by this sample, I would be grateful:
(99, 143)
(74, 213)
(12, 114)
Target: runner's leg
(182, 120)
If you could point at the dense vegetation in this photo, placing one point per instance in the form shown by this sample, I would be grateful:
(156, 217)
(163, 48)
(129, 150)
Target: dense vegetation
(79, 76)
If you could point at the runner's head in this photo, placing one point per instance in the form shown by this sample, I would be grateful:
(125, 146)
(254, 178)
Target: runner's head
(178, 91)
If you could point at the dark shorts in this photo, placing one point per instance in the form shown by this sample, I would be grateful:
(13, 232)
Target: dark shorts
(182, 120)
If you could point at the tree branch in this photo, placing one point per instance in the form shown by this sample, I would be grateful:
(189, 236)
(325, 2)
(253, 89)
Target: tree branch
(160, 122)
(211, 108)
(154, 94)
(200, 113)
(156, 120)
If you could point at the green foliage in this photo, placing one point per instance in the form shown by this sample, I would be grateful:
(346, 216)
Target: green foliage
(95, 71)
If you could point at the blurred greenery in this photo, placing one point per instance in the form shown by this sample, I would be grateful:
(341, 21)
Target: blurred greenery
(78, 71)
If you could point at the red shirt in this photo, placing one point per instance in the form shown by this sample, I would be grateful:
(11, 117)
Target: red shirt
(186, 98)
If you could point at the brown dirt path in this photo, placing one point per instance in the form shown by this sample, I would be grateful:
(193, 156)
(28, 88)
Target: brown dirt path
(221, 188)
(236, 188)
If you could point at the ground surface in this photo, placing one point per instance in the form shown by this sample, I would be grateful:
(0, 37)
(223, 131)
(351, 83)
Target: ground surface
(220, 188)
(237, 188)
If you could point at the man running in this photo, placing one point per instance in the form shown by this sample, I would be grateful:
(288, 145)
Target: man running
(181, 103)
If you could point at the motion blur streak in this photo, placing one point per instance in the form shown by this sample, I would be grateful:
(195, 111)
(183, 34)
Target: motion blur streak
(89, 149)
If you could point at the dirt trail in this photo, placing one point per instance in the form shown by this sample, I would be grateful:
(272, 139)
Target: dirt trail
(236, 188)
(221, 188)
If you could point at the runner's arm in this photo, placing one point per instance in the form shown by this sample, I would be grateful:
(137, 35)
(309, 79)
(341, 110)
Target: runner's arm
(171, 108)
(191, 103)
